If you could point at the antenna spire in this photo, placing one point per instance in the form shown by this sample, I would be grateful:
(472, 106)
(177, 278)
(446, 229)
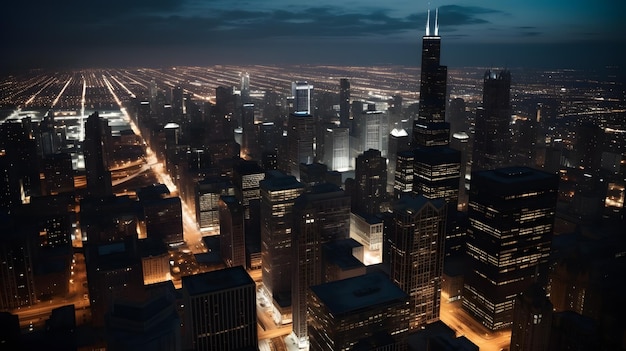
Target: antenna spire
(428, 24)
(437, 22)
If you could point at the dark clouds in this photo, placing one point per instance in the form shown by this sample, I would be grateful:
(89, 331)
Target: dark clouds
(190, 31)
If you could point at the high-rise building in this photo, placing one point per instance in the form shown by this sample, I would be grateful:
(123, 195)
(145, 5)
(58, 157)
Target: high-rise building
(246, 178)
(162, 213)
(278, 194)
(97, 145)
(337, 148)
(403, 175)
(344, 102)
(511, 213)
(416, 240)
(302, 94)
(177, 103)
(532, 320)
(16, 266)
(321, 215)
(220, 310)
(399, 140)
(249, 139)
(300, 141)
(436, 173)
(232, 239)
(430, 127)
(492, 133)
(371, 182)
(207, 196)
(367, 312)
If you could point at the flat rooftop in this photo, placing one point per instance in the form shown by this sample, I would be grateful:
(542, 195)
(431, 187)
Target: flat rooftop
(362, 292)
(222, 279)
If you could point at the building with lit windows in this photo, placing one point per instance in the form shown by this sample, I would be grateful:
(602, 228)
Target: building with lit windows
(511, 213)
(302, 93)
(403, 175)
(371, 182)
(300, 141)
(367, 230)
(207, 193)
(220, 310)
(278, 194)
(246, 178)
(532, 320)
(321, 215)
(367, 312)
(416, 239)
(436, 173)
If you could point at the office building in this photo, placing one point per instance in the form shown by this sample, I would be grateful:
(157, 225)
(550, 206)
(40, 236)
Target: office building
(232, 239)
(399, 140)
(162, 214)
(403, 175)
(511, 214)
(367, 230)
(337, 148)
(208, 192)
(249, 139)
(155, 261)
(371, 182)
(416, 239)
(492, 133)
(220, 311)
(246, 178)
(58, 174)
(430, 127)
(344, 102)
(436, 173)
(16, 267)
(532, 320)
(97, 144)
(302, 93)
(300, 141)
(365, 312)
(278, 194)
(320, 216)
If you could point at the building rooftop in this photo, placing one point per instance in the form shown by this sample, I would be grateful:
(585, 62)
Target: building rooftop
(222, 279)
(409, 203)
(353, 294)
(511, 175)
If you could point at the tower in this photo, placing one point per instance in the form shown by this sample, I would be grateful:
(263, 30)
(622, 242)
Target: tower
(278, 194)
(511, 213)
(371, 182)
(320, 216)
(302, 92)
(97, 144)
(430, 127)
(344, 102)
(492, 134)
(416, 240)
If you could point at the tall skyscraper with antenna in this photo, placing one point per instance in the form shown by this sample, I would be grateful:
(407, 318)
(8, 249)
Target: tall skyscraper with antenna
(430, 127)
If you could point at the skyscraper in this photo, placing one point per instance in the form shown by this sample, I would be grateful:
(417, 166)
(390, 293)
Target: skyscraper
(220, 310)
(302, 92)
(337, 148)
(320, 216)
(371, 182)
(430, 127)
(511, 212)
(367, 312)
(492, 134)
(416, 240)
(344, 102)
(97, 144)
(278, 194)
(232, 239)
(532, 320)
(300, 140)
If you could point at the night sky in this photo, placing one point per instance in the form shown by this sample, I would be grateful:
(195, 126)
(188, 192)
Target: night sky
(513, 33)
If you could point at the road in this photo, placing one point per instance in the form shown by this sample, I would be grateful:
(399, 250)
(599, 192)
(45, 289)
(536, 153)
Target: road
(453, 315)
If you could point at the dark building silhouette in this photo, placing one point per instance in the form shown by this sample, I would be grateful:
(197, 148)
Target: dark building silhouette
(511, 214)
(232, 239)
(344, 102)
(371, 182)
(16, 266)
(368, 312)
(300, 140)
(416, 240)
(96, 147)
(430, 127)
(532, 320)
(492, 145)
(162, 214)
(320, 216)
(220, 311)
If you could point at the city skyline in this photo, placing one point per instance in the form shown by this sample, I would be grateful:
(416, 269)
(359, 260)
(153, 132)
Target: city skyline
(362, 32)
